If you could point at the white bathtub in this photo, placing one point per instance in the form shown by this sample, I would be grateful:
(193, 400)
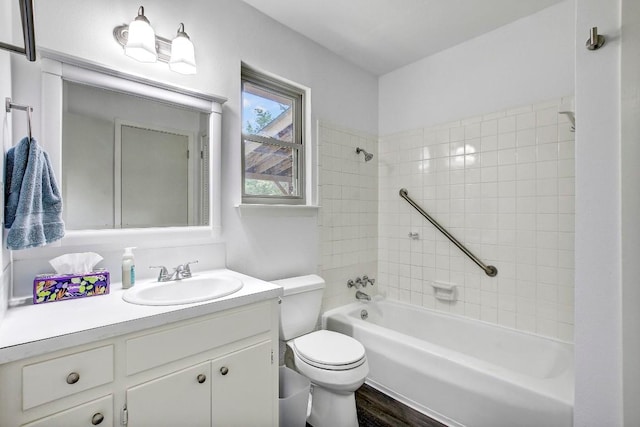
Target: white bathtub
(459, 371)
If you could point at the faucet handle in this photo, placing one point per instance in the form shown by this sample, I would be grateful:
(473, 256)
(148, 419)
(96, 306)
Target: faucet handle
(164, 273)
(186, 271)
(365, 280)
(357, 283)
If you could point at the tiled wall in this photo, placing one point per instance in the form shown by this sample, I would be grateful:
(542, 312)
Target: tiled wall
(503, 184)
(348, 220)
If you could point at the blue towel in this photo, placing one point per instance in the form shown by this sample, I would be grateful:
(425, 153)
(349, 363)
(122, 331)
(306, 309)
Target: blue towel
(33, 205)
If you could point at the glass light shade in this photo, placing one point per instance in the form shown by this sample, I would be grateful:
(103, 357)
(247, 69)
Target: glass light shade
(141, 41)
(183, 58)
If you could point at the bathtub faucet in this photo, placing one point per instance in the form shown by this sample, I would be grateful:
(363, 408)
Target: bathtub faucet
(360, 282)
(362, 296)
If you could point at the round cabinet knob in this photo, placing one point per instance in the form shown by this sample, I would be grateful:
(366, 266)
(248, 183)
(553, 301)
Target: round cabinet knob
(73, 378)
(224, 370)
(202, 378)
(97, 419)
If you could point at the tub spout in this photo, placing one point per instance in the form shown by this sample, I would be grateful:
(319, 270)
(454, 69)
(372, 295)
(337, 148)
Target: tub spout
(362, 296)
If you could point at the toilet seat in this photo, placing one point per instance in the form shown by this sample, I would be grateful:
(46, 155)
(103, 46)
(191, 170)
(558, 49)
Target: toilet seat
(329, 350)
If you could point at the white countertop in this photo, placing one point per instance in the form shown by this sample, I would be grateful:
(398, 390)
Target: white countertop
(37, 329)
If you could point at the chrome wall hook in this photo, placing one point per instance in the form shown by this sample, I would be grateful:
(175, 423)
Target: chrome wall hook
(595, 41)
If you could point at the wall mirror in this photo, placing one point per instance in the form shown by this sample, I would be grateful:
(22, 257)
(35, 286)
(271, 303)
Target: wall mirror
(131, 162)
(131, 155)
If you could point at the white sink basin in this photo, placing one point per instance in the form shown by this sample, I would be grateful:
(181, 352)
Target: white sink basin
(186, 291)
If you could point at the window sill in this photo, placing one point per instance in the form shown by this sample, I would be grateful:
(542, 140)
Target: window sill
(263, 210)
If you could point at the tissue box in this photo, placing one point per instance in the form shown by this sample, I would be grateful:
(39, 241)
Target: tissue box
(55, 287)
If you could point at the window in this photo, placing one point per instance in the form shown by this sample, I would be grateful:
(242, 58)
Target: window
(272, 140)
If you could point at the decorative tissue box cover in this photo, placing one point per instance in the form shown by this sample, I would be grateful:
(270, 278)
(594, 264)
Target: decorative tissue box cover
(52, 287)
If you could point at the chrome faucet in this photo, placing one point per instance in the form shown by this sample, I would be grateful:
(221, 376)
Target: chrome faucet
(365, 280)
(357, 283)
(362, 296)
(360, 282)
(180, 272)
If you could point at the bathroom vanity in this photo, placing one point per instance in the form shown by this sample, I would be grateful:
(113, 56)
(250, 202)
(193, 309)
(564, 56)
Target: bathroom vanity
(103, 361)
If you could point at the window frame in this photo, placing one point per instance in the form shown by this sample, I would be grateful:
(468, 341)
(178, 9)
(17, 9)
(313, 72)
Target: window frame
(297, 96)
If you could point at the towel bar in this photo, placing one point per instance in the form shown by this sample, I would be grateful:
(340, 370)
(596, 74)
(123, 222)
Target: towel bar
(8, 105)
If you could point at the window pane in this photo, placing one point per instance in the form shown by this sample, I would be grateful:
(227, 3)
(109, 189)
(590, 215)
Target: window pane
(270, 170)
(266, 113)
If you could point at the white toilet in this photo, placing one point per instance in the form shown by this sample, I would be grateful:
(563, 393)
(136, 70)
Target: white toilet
(335, 364)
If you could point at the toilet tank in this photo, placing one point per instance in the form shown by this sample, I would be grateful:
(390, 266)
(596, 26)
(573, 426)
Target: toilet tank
(300, 307)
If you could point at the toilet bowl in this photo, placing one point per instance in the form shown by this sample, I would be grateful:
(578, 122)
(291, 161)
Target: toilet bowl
(336, 364)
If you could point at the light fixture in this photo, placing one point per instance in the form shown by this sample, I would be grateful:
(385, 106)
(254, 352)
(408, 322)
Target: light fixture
(141, 40)
(141, 43)
(183, 58)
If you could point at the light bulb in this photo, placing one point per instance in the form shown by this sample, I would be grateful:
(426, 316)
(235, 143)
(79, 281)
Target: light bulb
(141, 39)
(183, 59)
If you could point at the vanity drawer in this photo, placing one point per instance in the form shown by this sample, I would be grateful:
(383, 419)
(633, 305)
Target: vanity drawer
(98, 412)
(52, 379)
(159, 348)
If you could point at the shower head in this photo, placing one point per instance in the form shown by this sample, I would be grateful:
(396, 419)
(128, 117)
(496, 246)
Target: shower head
(367, 156)
(572, 118)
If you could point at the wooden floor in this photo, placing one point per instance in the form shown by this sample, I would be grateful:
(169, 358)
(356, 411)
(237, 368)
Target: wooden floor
(376, 409)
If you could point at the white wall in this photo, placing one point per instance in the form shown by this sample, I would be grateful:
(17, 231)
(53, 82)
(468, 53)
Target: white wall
(598, 396)
(631, 209)
(527, 61)
(226, 32)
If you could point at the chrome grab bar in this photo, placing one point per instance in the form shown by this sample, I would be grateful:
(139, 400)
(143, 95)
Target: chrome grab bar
(490, 270)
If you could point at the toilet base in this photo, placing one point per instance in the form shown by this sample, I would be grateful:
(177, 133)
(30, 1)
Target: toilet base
(331, 409)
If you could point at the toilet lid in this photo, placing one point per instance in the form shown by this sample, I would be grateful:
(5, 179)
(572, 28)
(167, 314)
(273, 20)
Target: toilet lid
(329, 350)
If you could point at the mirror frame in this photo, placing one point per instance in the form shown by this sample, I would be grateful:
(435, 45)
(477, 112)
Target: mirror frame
(57, 68)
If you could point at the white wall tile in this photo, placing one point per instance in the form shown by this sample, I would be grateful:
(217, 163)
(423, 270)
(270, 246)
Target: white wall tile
(525, 121)
(503, 183)
(348, 194)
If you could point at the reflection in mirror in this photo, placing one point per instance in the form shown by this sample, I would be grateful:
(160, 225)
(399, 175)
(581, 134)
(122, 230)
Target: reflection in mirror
(131, 162)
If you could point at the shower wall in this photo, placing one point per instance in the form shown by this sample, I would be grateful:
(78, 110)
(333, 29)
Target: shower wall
(503, 184)
(348, 219)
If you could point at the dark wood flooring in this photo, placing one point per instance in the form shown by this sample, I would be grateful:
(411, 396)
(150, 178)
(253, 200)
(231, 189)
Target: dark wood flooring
(376, 409)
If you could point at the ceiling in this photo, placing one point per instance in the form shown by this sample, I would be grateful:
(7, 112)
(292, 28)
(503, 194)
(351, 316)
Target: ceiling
(383, 35)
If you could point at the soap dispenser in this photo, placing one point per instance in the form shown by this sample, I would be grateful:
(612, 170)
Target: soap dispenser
(128, 268)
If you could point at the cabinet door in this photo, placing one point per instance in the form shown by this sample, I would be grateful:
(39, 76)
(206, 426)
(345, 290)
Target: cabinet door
(243, 392)
(96, 413)
(179, 399)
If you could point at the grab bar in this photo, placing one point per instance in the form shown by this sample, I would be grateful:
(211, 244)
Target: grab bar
(490, 270)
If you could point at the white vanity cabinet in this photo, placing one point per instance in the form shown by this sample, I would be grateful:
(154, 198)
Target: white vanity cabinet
(213, 370)
(181, 398)
(240, 393)
(233, 390)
